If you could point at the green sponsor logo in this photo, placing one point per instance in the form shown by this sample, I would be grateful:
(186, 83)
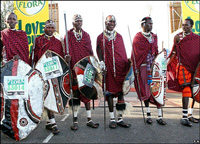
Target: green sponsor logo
(89, 75)
(50, 66)
(193, 5)
(16, 85)
(30, 8)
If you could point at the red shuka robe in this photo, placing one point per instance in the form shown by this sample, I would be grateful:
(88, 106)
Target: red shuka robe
(141, 48)
(114, 84)
(78, 49)
(42, 45)
(189, 54)
(16, 43)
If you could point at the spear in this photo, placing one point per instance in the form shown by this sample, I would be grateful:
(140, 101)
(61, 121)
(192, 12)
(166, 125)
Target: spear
(33, 48)
(70, 82)
(104, 76)
(137, 77)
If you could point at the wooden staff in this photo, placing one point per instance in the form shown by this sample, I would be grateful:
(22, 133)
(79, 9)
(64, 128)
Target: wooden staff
(70, 81)
(137, 77)
(104, 75)
(33, 48)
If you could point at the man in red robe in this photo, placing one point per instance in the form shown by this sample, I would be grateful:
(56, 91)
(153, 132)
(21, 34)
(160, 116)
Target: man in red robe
(187, 54)
(79, 44)
(117, 66)
(145, 49)
(45, 42)
(15, 41)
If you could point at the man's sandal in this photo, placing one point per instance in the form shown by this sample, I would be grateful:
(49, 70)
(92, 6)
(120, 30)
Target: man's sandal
(186, 122)
(113, 124)
(123, 124)
(92, 124)
(194, 120)
(149, 121)
(74, 126)
(161, 121)
(55, 129)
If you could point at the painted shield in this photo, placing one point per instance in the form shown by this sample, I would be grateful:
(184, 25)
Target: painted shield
(23, 98)
(158, 85)
(129, 79)
(55, 72)
(196, 84)
(89, 77)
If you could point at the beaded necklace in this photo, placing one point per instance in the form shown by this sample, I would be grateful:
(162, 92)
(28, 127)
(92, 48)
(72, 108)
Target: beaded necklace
(78, 35)
(48, 37)
(150, 38)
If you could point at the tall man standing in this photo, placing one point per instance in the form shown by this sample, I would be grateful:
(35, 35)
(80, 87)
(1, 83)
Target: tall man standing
(45, 42)
(79, 44)
(15, 41)
(145, 49)
(186, 51)
(117, 66)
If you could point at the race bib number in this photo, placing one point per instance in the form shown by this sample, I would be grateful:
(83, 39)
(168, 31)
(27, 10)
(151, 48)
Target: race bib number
(164, 66)
(89, 75)
(16, 85)
(52, 68)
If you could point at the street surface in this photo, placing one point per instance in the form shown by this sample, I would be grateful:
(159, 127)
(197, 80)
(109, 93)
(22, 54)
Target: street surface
(139, 132)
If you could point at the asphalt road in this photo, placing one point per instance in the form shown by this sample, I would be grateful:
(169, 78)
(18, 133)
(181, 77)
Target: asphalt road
(139, 132)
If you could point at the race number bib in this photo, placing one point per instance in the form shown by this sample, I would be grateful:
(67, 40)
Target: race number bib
(16, 86)
(89, 75)
(52, 68)
(164, 66)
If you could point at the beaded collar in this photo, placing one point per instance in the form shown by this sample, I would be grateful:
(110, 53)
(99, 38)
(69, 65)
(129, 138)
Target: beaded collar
(48, 37)
(78, 35)
(150, 38)
(110, 34)
(186, 34)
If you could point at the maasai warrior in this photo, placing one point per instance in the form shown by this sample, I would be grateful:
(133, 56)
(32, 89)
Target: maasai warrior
(15, 41)
(47, 41)
(117, 65)
(43, 43)
(79, 44)
(186, 51)
(145, 49)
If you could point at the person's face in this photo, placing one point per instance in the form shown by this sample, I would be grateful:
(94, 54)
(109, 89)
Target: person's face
(110, 25)
(186, 26)
(148, 26)
(49, 29)
(78, 24)
(12, 21)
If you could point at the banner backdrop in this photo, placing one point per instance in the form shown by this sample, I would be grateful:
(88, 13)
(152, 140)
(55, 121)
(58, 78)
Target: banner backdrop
(29, 13)
(190, 9)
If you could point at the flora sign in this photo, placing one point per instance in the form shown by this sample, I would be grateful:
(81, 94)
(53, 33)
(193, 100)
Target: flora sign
(31, 14)
(30, 8)
(190, 9)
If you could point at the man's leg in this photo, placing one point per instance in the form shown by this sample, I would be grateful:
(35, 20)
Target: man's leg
(184, 78)
(184, 120)
(190, 111)
(90, 123)
(76, 106)
(160, 116)
(148, 120)
(113, 123)
(121, 108)
(52, 124)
